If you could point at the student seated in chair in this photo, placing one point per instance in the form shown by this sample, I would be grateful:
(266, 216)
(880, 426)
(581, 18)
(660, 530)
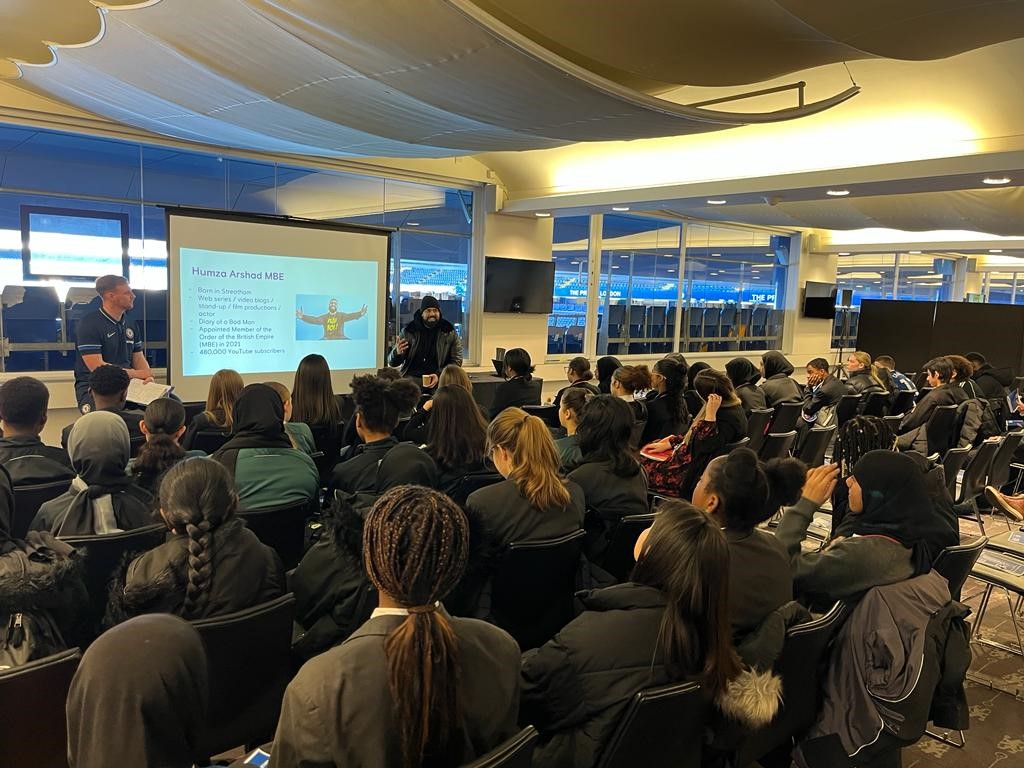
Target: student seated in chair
(913, 429)
(569, 413)
(108, 386)
(102, 498)
(413, 686)
(163, 425)
(669, 623)
(211, 564)
(23, 403)
(225, 387)
(520, 387)
(267, 470)
(456, 436)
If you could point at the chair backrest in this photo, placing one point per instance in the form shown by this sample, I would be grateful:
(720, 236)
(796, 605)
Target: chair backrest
(902, 403)
(27, 501)
(281, 528)
(33, 699)
(757, 426)
(517, 752)
(785, 417)
(952, 463)
(999, 473)
(636, 434)
(135, 444)
(248, 658)
(103, 555)
(954, 564)
(399, 431)
(941, 429)
(777, 445)
(801, 665)
(618, 556)
(875, 404)
(693, 402)
(471, 482)
(546, 413)
(743, 442)
(533, 587)
(846, 408)
(662, 726)
(976, 473)
(209, 440)
(193, 409)
(816, 442)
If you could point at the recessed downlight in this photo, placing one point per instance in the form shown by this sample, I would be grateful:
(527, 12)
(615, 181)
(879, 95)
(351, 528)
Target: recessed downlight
(412, 223)
(996, 180)
(837, 192)
(542, 215)
(844, 253)
(995, 250)
(717, 201)
(914, 253)
(620, 208)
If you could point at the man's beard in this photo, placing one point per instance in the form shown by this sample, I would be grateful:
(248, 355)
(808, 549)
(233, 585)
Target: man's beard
(431, 322)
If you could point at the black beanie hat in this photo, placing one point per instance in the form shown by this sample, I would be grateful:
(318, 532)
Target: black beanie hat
(429, 302)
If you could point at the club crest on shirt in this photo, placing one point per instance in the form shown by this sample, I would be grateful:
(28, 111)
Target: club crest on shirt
(129, 333)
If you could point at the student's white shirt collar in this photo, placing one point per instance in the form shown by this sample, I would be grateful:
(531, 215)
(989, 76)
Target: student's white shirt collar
(392, 611)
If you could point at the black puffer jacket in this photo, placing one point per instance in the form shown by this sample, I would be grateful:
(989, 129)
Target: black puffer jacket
(449, 345)
(861, 383)
(993, 382)
(778, 387)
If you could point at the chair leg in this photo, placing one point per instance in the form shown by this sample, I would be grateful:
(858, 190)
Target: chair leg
(977, 514)
(982, 607)
(1019, 650)
(944, 738)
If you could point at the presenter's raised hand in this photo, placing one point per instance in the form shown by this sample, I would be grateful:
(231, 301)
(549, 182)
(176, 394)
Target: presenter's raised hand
(298, 313)
(402, 346)
(362, 310)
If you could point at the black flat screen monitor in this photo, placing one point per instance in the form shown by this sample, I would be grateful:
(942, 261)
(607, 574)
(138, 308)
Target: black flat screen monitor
(518, 285)
(820, 300)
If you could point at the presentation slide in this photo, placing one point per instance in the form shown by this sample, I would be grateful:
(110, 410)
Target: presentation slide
(259, 296)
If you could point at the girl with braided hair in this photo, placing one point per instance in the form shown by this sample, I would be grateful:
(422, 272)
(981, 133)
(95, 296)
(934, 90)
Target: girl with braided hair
(211, 564)
(448, 687)
(855, 438)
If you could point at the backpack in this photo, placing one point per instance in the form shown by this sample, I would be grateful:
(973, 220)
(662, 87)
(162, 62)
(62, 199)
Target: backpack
(29, 636)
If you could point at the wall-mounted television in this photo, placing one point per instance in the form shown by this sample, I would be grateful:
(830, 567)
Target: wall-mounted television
(820, 300)
(518, 285)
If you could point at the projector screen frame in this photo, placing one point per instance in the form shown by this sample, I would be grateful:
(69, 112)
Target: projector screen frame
(173, 283)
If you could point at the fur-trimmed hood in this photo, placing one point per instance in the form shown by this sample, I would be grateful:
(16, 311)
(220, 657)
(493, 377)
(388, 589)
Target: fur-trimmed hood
(40, 576)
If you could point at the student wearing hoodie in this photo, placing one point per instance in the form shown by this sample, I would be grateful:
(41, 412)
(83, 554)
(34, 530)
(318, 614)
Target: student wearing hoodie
(778, 386)
(744, 376)
(427, 344)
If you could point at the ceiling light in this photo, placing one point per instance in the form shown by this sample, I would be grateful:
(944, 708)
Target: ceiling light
(995, 250)
(671, 270)
(716, 254)
(770, 253)
(717, 202)
(837, 192)
(620, 207)
(615, 266)
(844, 253)
(574, 263)
(914, 253)
(995, 180)
(540, 215)
(412, 223)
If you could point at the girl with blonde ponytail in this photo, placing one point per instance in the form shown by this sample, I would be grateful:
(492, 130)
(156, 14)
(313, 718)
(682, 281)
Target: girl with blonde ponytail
(413, 686)
(534, 501)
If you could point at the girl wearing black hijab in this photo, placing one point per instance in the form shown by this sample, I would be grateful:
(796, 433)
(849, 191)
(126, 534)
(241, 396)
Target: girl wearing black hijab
(102, 497)
(744, 376)
(139, 696)
(268, 471)
(894, 531)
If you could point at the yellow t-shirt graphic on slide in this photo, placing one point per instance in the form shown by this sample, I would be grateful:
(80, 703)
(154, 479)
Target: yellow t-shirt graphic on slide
(333, 322)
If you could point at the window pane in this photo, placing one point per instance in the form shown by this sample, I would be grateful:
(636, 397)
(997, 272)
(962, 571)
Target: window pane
(867, 276)
(1000, 287)
(925, 277)
(569, 306)
(434, 265)
(176, 177)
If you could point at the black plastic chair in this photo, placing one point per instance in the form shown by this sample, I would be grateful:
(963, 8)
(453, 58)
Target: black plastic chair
(816, 442)
(777, 445)
(546, 413)
(27, 501)
(662, 726)
(33, 699)
(693, 402)
(618, 556)
(954, 461)
(973, 484)
(517, 752)
(209, 440)
(471, 482)
(103, 556)
(533, 586)
(875, 404)
(847, 408)
(135, 444)
(743, 442)
(999, 472)
(326, 441)
(954, 564)
(346, 405)
(193, 409)
(785, 417)
(248, 655)
(902, 403)
(757, 426)
(801, 665)
(281, 528)
(941, 430)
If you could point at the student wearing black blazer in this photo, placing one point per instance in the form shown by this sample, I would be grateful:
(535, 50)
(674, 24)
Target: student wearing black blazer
(520, 388)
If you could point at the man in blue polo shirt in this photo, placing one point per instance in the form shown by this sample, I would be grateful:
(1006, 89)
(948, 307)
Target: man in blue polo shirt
(106, 337)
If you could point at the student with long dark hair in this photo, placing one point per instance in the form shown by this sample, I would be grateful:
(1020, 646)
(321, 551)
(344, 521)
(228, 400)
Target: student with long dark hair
(606, 366)
(163, 425)
(580, 377)
(456, 436)
(413, 686)
(669, 623)
(666, 411)
(627, 382)
(519, 388)
(313, 400)
(534, 501)
(609, 474)
(417, 428)
(569, 414)
(225, 387)
(211, 564)
(741, 492)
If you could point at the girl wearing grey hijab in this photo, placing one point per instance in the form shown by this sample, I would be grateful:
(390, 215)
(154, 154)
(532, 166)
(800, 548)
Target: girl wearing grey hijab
(102, 498)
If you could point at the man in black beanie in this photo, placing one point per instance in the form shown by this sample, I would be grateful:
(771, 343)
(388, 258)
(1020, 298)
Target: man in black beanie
(427, 345)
